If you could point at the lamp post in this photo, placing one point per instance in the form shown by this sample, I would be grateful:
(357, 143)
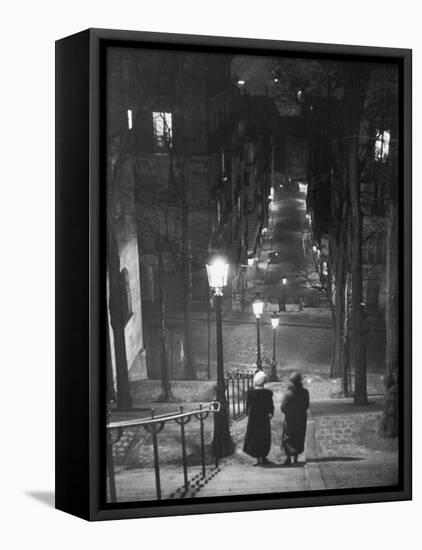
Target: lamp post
(258, 306)
(275, 319)
(222, 444)
(282, 303)
(317, 254)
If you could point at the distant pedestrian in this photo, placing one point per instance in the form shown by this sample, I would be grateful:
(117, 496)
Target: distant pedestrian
(260, 408)
(294, 405)
(300, 302)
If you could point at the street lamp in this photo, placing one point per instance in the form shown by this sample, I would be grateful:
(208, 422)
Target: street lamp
(222, 444)
(251, 260)
(317, 253)
(282, 303)
(275, 319)
(258, 307)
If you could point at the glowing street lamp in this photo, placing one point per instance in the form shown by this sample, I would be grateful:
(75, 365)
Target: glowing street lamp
(217, 271)
(258, 307)
(275, 319)
(222, 444)
(129, 119)
(282, 302)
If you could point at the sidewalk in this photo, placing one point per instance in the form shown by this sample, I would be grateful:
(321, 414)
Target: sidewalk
(345, 447)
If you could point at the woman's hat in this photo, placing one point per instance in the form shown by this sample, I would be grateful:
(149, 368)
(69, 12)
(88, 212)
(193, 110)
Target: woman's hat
(295, 378)
(259, 378)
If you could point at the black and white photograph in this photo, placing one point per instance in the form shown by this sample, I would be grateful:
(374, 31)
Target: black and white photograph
(210, 283)
(253, 279)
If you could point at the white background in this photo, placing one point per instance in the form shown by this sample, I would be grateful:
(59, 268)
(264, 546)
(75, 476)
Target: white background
(27, 36)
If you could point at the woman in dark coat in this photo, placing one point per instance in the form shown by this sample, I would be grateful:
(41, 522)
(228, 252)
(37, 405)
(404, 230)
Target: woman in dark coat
(260, 408)
(294, 405)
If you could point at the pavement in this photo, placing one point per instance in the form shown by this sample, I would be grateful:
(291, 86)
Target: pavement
(250, 480)
(345, 447)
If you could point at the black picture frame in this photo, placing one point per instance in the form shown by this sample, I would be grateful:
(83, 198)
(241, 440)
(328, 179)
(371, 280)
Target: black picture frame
(80, 283)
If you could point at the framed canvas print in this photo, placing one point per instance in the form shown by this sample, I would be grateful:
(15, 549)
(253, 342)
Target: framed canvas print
(233, 274)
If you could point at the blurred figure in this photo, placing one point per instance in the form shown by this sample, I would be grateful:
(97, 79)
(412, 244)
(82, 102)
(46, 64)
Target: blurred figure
(294, 406)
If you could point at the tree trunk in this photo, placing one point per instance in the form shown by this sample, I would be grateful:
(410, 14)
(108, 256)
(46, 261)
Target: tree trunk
(390, 419)
(337, 366)
(339, 243)
(187, 286)
(209, 337)
(354, 93)
(346, 339)
(166, 392)
(357, 356)
(124, 401)
(333, 345)
(111, 394)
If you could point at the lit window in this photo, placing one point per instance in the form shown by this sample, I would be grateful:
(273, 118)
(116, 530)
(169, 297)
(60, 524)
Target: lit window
(163, 129)
(382, 144)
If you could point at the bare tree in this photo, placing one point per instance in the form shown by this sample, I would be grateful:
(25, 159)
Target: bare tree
(118, 164)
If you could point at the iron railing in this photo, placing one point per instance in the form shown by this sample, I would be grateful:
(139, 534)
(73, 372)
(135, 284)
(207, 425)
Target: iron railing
(238, 383)
(153, 426)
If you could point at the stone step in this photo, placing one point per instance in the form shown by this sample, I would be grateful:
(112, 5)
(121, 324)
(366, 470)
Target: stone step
(245, 479)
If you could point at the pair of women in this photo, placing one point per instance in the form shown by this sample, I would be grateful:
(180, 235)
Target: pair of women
(260, 408)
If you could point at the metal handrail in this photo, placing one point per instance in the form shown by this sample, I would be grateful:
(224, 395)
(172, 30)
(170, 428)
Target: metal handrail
(214, 406)
(153, 426)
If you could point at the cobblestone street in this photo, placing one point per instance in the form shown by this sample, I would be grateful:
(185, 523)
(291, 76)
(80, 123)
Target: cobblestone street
(304, 338)
(297, 347)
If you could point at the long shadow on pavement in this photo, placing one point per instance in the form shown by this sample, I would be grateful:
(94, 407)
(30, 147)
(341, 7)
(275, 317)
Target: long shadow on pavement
(335, 459)
(274, 465)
